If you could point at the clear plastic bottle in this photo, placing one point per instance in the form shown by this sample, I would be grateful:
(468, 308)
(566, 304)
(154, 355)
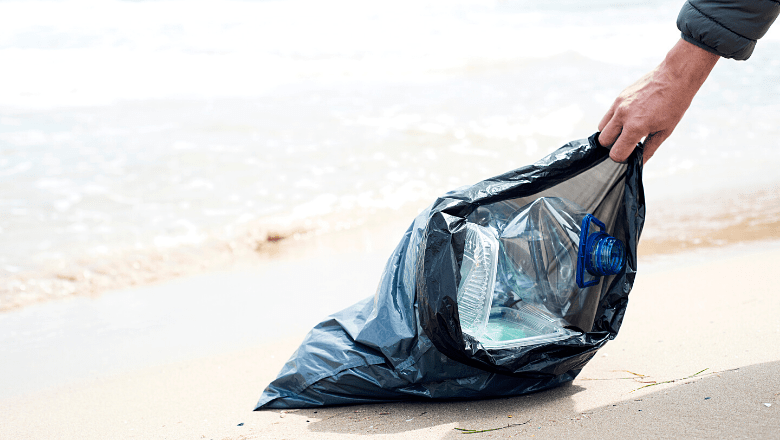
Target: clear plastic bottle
(530, 273)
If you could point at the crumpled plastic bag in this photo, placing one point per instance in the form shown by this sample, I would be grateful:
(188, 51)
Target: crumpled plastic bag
(406, 343)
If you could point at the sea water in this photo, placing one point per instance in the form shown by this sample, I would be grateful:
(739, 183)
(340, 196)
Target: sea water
(129, 130)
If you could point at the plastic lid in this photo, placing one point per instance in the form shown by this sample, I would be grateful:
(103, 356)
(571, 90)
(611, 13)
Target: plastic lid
(599, 253)
(605, 254)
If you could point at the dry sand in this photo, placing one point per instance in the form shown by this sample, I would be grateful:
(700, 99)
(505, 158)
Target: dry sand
(711, 311)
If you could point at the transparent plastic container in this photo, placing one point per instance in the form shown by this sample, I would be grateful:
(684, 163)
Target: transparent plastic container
(529, 273)
(521, 326)
(478, 275)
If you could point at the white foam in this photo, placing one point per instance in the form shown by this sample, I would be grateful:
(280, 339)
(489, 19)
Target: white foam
(86, 52)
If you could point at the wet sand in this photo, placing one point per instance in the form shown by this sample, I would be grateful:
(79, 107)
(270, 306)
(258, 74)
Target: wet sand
(697, 357)
(673, 225)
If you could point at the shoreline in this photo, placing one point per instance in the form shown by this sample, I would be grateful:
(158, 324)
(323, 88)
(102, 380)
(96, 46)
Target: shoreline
(708, 221)
(252, 247)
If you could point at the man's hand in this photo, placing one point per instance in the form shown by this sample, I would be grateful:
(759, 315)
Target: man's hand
(652, 107)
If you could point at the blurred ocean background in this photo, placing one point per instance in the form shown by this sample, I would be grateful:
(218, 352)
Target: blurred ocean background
(138, 139)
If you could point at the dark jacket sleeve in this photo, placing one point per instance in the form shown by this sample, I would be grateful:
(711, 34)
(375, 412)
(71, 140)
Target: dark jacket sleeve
(729, 28)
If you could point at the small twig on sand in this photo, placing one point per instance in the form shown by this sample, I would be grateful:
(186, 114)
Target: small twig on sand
(673, 380)
(476, 431)
(635, 376)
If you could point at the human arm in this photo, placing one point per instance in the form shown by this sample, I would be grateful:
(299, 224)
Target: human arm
(654, 105)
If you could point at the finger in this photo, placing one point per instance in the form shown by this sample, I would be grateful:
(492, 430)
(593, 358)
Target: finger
(651, 144)
(610, 132)
(625, 144)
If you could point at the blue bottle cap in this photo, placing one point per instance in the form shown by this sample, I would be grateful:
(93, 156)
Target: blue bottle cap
(599, 253)
(605, 254)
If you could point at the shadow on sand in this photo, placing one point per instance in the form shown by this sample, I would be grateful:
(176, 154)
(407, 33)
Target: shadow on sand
(730, 403)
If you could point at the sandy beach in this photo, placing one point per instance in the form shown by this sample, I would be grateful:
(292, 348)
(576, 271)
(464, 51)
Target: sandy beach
(186, 188)
(697, 356)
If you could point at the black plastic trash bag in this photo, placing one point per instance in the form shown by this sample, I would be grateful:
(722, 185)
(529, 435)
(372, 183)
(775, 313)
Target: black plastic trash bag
(406, 342)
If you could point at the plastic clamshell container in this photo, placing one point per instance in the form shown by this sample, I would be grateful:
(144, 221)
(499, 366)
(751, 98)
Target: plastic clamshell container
(522, 325)
(478, 276)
